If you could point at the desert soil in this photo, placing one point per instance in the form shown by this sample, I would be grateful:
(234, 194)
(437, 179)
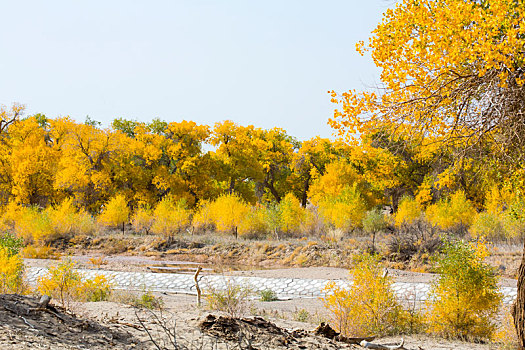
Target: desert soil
(110, 325)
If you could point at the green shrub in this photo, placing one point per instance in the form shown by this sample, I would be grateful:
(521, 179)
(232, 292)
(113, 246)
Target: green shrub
(464, 301)
(374, 221)
(268, 295)
(11, 243)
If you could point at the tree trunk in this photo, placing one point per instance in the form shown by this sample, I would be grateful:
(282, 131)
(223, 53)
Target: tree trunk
(518, 308)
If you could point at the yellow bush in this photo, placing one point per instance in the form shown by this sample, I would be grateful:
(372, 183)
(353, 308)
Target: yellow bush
(31, 251)
(170, 217)
(407, 212)
(345, 211)
(256, 222)
(64, 283)
(115, 212)
(201, 218)
(228, 213)
(464, 301)
(369, 306)
(29, 223)
(488, 225)
(447, 214)
(61, 282)
(143, 219)
(11, 272)
(291, 215)
(67, 220)
(96, 289)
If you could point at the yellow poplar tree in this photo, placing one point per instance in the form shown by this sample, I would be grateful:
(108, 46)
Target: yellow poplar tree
(453, 70)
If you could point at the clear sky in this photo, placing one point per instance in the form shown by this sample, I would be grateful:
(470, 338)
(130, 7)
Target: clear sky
(267, 63)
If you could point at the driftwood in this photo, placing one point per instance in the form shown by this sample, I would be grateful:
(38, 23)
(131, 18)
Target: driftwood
(368, 345)
(326, 331)
(195, 278)
(44, 301)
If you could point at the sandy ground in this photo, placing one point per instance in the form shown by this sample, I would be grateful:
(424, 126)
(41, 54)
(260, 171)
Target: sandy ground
(184, 311)
(182, 315)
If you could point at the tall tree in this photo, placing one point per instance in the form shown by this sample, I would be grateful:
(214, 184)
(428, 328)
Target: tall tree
(453, 70)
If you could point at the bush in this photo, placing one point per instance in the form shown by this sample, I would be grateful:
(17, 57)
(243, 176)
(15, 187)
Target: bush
(268, 295)
(369, 306)
(464, 301)
(11, 271)
(115, 212)
(202, 220)
(96, 289)
(170, 217)
(407, 212)
(374, 221)
(233, 300)
(455, 213)
(61, 282)
(417, 240)
(488, 225)
(344, 211)
(255, 224)
(11, 243)
(228, 214)
(67, 220)
(64, 283)
(292, 217)
(147, 300)
(143, 219)
(29, 223)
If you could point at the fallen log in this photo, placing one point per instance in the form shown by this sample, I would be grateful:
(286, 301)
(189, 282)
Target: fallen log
(326, 331)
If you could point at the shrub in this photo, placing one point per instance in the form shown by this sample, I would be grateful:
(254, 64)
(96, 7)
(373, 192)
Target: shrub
(407, 212)
(11, 243)
(374, 221)
(115, 212)
(464, 301)
(29, 223)
(416, 240)
(202, 220)
(170, 217)
(11, 271)
(38, 252)
(255, 223)
(67, 220)
(228, 213)
(96, 289)
(233, 300)
(64, 283)
(369, 306)
(488, 225)
(291, 215)
(456, 212)
(147, 300)
(61, 282)
(344, 211)
(268, 295)
(143, 219)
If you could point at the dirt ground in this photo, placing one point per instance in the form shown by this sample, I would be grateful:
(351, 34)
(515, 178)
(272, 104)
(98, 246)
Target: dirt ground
(110, 325)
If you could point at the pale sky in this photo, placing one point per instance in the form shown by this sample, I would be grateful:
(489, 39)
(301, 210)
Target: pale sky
(267, 63)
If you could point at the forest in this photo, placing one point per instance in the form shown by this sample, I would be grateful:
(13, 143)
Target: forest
(170, 177)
